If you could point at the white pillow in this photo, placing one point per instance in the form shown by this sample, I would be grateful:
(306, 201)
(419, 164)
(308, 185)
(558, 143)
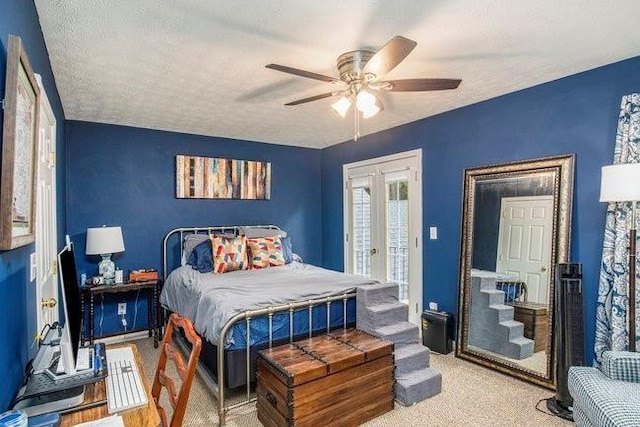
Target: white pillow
(256, 232)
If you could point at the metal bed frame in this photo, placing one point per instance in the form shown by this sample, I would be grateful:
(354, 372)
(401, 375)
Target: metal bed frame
(217, 388)
(514, 290)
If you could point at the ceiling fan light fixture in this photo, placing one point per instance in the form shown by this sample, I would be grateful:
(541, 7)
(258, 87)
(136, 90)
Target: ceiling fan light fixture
(371, 112)
(341, 106)
(367, 104)
(362, 71)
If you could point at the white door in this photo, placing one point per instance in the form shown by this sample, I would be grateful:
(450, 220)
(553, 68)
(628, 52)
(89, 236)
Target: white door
(383, 223)
(524, 242)
(46, 232)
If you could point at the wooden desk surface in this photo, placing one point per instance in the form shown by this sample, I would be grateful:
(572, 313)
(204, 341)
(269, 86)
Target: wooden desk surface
(146, 416)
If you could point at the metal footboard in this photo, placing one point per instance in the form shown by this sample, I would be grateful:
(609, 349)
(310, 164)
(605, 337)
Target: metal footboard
(246, 316)
(217, 388)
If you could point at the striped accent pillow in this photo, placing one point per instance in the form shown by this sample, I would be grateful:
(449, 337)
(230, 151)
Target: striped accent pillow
(229, 253)
(265, 252)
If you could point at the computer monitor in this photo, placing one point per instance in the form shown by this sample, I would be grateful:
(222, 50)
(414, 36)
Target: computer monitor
(69, 294)
(71, 313)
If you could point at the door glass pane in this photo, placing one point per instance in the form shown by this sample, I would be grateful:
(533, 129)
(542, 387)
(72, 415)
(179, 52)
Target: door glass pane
(397, 213)
(361, 221)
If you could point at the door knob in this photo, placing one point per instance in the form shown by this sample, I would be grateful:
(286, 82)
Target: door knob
(373, 251)
(49, 303)
(543, 269)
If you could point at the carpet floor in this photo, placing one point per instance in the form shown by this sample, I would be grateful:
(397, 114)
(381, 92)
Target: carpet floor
(471, 396)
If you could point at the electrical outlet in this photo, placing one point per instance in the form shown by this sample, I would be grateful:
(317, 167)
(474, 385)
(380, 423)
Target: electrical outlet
(122, 308)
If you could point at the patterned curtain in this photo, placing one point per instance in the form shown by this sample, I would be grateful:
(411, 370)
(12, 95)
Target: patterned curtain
(611, 315)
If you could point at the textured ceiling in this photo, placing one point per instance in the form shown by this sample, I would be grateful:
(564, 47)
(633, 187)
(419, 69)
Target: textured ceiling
(197, 66)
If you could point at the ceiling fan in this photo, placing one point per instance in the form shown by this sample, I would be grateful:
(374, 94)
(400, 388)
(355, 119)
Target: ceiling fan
(360, 72)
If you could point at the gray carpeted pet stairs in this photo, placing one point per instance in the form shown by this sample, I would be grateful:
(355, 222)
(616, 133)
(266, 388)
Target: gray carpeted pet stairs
(380, 313)
(492, 326)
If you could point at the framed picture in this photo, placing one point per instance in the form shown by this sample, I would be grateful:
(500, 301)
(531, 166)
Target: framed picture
(19, 148)
(215, 178)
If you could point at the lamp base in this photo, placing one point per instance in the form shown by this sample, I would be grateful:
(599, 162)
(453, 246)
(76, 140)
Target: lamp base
(107, 269)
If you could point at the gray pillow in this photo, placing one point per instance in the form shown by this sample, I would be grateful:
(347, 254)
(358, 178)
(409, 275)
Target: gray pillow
(287, 249)
(255, 232)
(190, 242)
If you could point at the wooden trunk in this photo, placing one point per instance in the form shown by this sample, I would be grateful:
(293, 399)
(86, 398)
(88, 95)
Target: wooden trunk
(340, 379)
(536, 322)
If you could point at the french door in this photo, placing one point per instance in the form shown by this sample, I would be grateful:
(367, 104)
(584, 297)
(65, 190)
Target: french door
(383, 223)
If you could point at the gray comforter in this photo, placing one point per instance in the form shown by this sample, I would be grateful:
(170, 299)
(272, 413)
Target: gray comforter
(210, 300)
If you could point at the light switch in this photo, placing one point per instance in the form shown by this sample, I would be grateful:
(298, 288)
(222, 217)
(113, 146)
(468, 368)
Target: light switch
(433, 233)
(33, 268)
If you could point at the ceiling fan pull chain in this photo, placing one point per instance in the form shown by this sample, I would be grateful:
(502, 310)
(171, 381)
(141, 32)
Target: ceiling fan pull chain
(356, 124)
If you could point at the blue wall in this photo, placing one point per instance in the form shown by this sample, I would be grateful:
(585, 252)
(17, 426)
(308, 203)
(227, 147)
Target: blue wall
(577, 114)
(126, 176)
(17, 294)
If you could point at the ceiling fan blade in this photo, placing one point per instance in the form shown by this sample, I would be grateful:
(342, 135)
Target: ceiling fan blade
(421, 85)
(389, 56)
(302, 73)
(311, 98)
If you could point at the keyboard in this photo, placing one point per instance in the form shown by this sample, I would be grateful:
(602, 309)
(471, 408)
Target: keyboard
(124, 386)
(84, 360)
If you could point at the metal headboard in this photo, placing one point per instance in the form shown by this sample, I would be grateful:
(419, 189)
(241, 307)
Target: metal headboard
(215, 229)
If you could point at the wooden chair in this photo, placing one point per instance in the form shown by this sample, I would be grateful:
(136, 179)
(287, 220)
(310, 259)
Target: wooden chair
(170, 351)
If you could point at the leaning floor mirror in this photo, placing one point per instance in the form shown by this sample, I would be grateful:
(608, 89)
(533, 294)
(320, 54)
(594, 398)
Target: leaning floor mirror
(515, 228)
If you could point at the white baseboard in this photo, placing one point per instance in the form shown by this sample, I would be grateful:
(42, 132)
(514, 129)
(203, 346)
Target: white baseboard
(124, 337)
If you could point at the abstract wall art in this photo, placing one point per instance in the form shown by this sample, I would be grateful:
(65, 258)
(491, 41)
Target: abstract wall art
(215, 178)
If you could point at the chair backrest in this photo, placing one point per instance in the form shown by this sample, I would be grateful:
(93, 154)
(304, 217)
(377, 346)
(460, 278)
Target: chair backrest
(169, 350)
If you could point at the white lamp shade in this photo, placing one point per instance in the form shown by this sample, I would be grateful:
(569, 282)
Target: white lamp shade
(620, 183)
(367, 104)
(370, 112)
(365, 101)
(104, 240)
(341, 106)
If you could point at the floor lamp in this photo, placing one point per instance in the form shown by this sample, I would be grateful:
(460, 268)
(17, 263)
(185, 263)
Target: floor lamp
(621, 183)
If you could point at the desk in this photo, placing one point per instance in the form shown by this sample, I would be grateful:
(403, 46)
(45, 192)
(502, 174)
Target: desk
(140, 416)
(153, 305)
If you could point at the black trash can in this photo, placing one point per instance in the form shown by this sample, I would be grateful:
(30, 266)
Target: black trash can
(437, 331)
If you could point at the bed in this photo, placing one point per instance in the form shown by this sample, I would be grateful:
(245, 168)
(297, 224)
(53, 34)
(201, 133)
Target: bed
(515, 290)
(262, 307)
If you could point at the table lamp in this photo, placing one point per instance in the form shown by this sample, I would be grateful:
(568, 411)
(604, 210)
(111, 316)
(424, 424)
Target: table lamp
(105, 241)
(621, 183)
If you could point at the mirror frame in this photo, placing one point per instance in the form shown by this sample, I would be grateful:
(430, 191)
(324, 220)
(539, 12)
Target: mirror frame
(563, 166)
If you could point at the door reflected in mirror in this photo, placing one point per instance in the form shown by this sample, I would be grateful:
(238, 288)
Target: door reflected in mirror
(516, 222)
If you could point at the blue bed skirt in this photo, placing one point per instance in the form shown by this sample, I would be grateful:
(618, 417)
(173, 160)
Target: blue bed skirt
(280, 324)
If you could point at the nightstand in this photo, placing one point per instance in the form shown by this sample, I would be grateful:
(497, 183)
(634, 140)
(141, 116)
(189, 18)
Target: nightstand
(153, 305)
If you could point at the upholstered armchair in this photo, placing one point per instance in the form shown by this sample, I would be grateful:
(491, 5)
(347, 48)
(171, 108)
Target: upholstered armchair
(609, 396)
